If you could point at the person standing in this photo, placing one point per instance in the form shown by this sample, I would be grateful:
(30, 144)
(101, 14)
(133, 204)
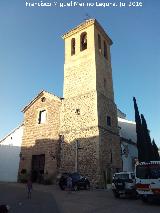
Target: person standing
(29, 188)
(69, 183)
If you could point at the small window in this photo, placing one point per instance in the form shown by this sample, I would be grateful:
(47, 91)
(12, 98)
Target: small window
(73, 43)
(105, 50)
(83, 41)
(99, 44)
(43, 99)
(104, 83)
(78, 111)
(42, 117)
(108, 121)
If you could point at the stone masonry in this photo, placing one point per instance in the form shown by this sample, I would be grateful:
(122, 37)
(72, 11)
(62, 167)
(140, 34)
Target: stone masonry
(77, 132)
(88, 90)
(41, 138)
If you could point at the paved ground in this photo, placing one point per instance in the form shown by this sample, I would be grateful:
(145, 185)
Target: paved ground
(101, 202)
(16, 197)
(94, 201)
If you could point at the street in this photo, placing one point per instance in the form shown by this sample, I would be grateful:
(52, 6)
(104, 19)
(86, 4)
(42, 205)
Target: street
(47, 199)
(16, 198)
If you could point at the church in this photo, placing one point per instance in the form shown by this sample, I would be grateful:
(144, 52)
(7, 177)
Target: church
(79, 131)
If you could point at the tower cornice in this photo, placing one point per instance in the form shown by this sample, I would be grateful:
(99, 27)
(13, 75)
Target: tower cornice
(84, 25)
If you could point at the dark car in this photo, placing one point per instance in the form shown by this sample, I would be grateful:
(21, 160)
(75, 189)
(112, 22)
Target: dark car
(78, 181)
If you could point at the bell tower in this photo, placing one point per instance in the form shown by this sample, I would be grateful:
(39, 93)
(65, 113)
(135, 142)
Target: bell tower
(89, 114)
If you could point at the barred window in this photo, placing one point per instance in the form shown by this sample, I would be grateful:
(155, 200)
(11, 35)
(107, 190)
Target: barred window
(73, 43)
(83, 41)
(108, 120)
(105, 51)
(99, 43)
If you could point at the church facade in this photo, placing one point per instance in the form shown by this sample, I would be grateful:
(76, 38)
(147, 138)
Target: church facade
(78, 132)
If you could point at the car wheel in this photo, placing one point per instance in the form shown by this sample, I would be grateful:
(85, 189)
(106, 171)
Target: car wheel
(75, 187)
(144, 199)
(61, 187)
(150, 199)
(87, 186)
(116, 195)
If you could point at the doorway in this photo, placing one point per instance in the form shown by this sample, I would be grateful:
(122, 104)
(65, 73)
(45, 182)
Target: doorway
(38, 163)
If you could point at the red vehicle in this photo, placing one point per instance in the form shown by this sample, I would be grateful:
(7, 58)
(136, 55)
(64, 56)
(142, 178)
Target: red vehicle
(148, 180)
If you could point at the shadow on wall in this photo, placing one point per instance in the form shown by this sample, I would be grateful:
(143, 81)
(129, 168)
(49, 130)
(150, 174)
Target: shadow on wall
(48, 157)
(40, 161)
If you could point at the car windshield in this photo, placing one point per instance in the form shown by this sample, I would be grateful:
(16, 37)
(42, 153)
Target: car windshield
(151, 171)
(132, 175)
(122, 176)
(76, 176)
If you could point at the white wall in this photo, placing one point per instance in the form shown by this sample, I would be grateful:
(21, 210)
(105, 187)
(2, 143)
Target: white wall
(127, 129)
(128, 158)
(128, 132)
(10, 148)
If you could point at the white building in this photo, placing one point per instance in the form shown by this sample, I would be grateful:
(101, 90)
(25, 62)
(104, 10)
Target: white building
(128, 139)
(10, 148)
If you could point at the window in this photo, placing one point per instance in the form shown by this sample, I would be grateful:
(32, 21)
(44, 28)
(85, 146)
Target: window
(108, 120)
(78, 111)
(99, 44)
(122, 176)
(43, 99)
(105, 50)
(73, 43)
(104, 83)
(151, 171)
(42, 117)
(83, 41)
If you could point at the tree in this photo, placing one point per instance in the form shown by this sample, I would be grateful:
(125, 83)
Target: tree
(155, 151)
(140, 144)
(147, 150)
(148, 147)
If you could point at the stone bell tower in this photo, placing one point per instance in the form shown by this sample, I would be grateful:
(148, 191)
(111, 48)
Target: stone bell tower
(89, 115)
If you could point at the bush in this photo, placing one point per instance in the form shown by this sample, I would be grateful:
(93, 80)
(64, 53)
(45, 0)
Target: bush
(23, 176)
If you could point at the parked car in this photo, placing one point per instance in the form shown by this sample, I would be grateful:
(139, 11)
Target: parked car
(123, 183)
(78, 181)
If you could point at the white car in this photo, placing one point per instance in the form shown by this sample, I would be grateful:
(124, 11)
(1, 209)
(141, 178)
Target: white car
(123, 183)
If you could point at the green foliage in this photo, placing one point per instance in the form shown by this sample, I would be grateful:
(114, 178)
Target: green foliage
(23, 176)
(155, 151)
(147, 150)
(140, 143)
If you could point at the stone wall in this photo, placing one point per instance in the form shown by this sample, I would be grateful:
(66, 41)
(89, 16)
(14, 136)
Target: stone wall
(110, 151)
(81, 127)
(86, 163)
(41, 138)
(88, 88)
(79, 69)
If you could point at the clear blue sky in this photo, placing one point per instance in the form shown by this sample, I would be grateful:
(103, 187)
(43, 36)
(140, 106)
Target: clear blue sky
(32, 56)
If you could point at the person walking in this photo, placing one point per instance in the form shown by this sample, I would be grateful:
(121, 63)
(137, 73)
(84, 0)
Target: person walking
(69, 183)
(29, 188)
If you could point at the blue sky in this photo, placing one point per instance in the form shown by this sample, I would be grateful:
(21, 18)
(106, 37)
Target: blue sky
(32, 55)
